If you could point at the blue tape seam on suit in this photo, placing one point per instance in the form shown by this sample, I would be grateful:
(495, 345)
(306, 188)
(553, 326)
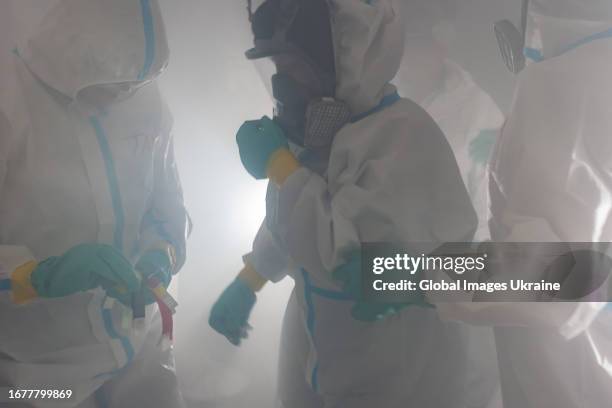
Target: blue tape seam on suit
(536, 55)
(309, 291)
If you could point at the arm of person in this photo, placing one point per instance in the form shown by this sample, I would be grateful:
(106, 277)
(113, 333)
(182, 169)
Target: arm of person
(16, 261)
(166, 223)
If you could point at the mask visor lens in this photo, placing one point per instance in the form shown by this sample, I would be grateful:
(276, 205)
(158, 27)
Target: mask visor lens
(266, 69)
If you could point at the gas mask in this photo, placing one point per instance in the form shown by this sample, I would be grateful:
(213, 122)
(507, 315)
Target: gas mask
(293, 54)
(511, 41)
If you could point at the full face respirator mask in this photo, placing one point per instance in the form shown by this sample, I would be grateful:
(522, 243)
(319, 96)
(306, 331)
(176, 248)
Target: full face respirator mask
(294, 55)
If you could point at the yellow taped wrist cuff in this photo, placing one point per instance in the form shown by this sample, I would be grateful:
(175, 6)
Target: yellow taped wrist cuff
(21, 284)
(249, 275)
(281, 165)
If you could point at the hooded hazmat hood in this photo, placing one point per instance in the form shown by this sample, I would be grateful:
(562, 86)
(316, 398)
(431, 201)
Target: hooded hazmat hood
(81, 43)
(368, 42)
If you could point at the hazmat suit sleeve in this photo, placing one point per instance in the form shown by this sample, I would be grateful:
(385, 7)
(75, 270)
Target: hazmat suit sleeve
(166, 221)
(268, 256)
(12, 255)
(392, 177)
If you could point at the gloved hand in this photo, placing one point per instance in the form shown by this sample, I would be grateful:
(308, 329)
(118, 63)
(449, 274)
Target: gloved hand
(482, 146)
(230, 313)
(257, 141)
(82, 268)
(349, 276)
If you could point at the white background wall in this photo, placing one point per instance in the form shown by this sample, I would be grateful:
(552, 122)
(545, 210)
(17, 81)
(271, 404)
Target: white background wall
(212, 89)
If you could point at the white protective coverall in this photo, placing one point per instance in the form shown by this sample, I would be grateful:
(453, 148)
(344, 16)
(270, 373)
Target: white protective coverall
(72, 174)
(552, 182)
(466, 113)
(391, 176)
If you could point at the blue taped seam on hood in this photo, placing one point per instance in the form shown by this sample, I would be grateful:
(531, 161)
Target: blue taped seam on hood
(149, 32)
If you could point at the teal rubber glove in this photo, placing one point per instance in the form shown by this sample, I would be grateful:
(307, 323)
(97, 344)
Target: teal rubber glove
(230, 313)
(482, 146)
(257, 141)
(349, 276)
(83, 267)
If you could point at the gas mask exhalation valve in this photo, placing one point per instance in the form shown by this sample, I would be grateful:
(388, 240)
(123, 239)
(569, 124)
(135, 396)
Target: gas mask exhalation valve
(308, 120)
(324, 118)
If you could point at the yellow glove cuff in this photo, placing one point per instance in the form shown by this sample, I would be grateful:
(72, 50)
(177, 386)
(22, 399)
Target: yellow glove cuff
(254, 280)
(281, 165)
(21, 284)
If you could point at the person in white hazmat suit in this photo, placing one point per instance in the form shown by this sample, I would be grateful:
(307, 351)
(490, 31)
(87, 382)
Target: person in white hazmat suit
(349, 162)
(471, 122)
(89, 192)
(551, 182)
